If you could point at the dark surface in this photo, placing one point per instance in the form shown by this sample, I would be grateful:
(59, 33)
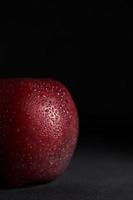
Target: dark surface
(94, 174)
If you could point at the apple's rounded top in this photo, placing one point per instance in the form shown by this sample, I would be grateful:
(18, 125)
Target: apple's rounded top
(48, 84)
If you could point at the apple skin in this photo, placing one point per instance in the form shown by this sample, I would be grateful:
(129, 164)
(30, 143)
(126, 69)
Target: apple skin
(39, 129)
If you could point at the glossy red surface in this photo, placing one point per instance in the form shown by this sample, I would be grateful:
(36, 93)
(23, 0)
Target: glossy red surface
(38, 130)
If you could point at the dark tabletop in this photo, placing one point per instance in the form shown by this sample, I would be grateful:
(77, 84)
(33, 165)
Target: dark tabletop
(94, 174)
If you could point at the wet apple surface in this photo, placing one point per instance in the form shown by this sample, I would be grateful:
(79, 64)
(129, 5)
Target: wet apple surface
(38, 130)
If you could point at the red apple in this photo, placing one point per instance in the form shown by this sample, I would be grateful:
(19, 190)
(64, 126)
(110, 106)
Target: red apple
(38, 130)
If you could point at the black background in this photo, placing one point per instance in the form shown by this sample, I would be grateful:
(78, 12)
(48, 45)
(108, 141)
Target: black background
(88, 48)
